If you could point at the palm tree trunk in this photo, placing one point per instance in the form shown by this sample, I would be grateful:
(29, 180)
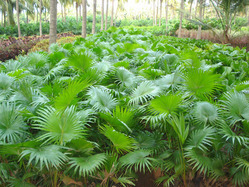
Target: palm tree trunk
(10, 13)
(190, 9)
(153, 17)
(84, 18)
(181, 17)
(62, 14)
(40, 17)
(160, 15)
(112, 12)
(248, 15)
(18, 18)
(53, 22)
(166, 16)
(200, 17)
(65, 13)
(80, 11)
(94, 16)
(196, 8)
(4, 17)
(77, 16)
(37, 13)
(102, 14)
(156, 13)
(106, 14)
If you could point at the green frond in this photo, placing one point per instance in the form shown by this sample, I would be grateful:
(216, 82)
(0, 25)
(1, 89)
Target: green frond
(125, 77)
(143, 93)
(68, 96)
(205, 112)
(5, 81)
(201, 83)
(59, 126)
(85, 166)
(120, 141)
(179, 126)
(167, 180)
(81, 62)
(45, 156)
(237, 107)
(138, 159)
(166, 104)
(202, 138)
(101, 99)
(229, 135)
(12, 126)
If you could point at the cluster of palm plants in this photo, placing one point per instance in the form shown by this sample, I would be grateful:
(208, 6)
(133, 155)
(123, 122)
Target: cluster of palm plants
(121, 102)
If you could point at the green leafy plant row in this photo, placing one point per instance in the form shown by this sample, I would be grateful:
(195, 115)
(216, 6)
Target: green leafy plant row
(121, 104)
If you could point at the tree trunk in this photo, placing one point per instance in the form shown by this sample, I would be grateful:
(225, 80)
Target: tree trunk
(102, 14)
(53, 22)
(65, 13)
(84, 18)
(248, 15)
(62, 14)
(196, 8)
(200, 17)
(190, 9)
(77, 16)
(94, 16)
(181, 17)
(173, 10)
(40, 17)
(10, 13)
(106, 16)
(27, 17)
(153, 16)
(160, 14)
(156, 12)
(18, 18)
(166, 16)
(80, 11)
(37, 13)
(112, 12)
(4, 17)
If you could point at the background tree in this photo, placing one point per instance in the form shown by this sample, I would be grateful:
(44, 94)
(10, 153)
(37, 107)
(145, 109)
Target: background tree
(112, 15)
(94, 16)
(102, 14)
(53, 22)
(181, 17)
(200, 17)
(84, 14)
(106, 14)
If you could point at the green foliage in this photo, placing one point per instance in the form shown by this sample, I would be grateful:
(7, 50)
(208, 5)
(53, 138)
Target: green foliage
(124, 102)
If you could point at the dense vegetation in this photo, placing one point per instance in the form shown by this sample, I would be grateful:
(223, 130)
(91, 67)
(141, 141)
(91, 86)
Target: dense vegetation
(74, 26)
(121, 102)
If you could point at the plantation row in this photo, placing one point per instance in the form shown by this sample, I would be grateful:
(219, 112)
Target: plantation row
(123, 102)
(72, 25)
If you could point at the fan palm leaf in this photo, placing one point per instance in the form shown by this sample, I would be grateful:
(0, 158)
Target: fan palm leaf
(59, 126)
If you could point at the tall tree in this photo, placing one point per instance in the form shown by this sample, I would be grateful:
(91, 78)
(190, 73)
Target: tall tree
(84, 18)
(112, 13)
(53, 22)
(18, 18)
(160, 13)
(153, 16)
(102, 14)
(94, 16)
(190, 8)
(181, 17)
(200, 17)
(40, 17)
(106, 14)
(10, 13)
(166, 16)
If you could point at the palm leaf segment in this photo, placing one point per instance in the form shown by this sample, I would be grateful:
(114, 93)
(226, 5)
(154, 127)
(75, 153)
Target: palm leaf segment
(59, 126)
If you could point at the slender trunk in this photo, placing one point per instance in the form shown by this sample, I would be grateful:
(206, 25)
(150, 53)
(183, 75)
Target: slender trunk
(196, 8)
(248, 15)
(181, 17)
(18, 18)
(62, 14)
(27, 21)
(77, 16)
(112, 12)
(166, 16)
(102, 14)
(203, 10)
(160, 15)
(106, 16)
(37, 14)
(94, 16)
(53, 22)
(153, 17)
(40, 17)
(45, 18)
(4, 17)
(173, 10)
(156, 13)
(190, 9)
(200, 17)
(84, 18)
(80, 11)
(65, 13)
(10, 13)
